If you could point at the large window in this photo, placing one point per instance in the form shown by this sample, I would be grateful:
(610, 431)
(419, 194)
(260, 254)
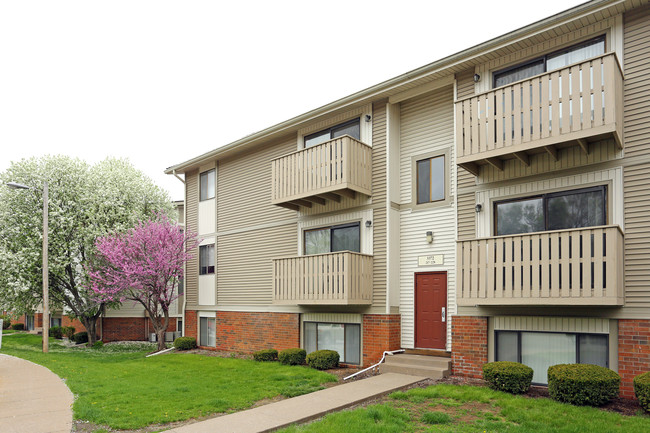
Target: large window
(331, 239)
(351, 128)
(540, 350)
(207, 185)
(206, 259)
(345, 338)
(585, 207)
(431, 173)
(208, 331)
(550, 62)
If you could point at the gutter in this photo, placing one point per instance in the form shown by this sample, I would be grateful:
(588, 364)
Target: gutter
(370, 92)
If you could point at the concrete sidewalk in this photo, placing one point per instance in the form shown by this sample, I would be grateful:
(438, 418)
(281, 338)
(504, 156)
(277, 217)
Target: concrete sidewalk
(32, 398)
(303, 408)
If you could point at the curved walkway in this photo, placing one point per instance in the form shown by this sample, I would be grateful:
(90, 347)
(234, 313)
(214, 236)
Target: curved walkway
(32, 398)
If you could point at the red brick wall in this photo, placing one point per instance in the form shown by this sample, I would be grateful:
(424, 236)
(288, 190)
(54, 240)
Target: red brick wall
(633, 352)
(38, 320)
(380, 332)
(69, 321)
(130, 328)
(469, 345)
(191, 324)
(248, 332)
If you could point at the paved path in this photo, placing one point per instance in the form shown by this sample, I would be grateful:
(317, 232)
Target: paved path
(32, 398)
(303, 408)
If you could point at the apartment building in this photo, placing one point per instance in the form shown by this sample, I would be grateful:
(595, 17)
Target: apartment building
(491, 205)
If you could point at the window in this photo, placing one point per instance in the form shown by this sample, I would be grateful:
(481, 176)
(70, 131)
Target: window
(550, 62)
(208, 332)
(181, 286)
(331, 239)
(206, 259)
(540, 350)
(207, 185)
(179, 326)
(55, 321)
(345, 338)
(430, 175)
(29, 323)
(585, 207)
(351, 128)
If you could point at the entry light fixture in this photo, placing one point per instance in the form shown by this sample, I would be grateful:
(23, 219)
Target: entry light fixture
(429, 237)
(477, 78)
(368, 117)
(368, 223)
(478, 207)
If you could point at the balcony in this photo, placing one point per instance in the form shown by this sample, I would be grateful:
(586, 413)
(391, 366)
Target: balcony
(327, 171)
(565, 267)
(341, 278)
(572, 106)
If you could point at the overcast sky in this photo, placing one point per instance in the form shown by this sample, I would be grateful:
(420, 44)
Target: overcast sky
(160, 82)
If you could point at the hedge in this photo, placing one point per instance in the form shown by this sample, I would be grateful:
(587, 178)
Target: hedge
(511, 377)
(68, 331)
(292, 356)
(18, 326)
(266, 355)
(185, 343)
(80, 337)
(323, 359)
(56, 332)
(642, 390)
(582, 384)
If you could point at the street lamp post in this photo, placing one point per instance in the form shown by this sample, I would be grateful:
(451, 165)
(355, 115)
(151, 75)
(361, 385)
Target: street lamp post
(46, 303)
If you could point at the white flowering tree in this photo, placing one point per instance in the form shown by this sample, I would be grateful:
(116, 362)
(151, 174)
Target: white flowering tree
(85, 202)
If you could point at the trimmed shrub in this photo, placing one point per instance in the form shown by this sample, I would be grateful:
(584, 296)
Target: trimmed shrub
(80, 337)
(582, 384)
(511, 377)
(18, 326)
(98, 344)
(6, 322)
(323, 359)
(292, 356)
(68, 331)
(56, 332)
(266, 355)
(642, 390)
(185, 343)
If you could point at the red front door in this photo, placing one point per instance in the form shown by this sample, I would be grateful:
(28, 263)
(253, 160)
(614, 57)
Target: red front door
(431, 310)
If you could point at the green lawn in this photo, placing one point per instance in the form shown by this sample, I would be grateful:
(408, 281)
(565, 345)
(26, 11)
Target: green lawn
(125, 390)
(449, 408)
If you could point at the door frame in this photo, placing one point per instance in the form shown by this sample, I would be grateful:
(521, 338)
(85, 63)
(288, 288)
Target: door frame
(415, 301)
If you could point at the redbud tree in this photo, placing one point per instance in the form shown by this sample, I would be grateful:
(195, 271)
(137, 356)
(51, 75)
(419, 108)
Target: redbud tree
(143, 265)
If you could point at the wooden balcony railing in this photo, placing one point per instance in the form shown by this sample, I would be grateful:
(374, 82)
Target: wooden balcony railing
(341, 278)
(580, 102)
(565, 267)
(342, 166)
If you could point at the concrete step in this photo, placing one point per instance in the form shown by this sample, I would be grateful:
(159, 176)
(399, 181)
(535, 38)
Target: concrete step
(415, 370)
(431, 361)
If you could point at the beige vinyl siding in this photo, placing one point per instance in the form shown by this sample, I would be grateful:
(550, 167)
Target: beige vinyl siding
(192, 223)
(551, 324)
(244, 187)
(379, 200)
(426, 127)
(637, 143)
(244, 267)
(466, 202)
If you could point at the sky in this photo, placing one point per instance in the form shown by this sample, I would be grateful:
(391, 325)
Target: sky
(160, 82)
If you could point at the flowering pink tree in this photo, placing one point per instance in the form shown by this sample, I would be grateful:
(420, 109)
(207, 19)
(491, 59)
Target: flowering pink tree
(143, 265)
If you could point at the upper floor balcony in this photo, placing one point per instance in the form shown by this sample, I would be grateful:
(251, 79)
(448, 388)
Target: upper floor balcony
(574, 267)
(340, 278)
(327, 171)
(570, 106)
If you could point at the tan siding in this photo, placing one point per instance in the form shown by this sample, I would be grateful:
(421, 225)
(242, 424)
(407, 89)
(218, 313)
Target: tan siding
(465, 84)
(192, 267)
(378, 198)
(552, 324)
(244, 267)
(637, 143)
(466, 216)
(244, 188)
(465, 212)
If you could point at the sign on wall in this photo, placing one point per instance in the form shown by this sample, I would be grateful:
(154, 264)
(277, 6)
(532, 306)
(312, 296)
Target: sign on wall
(433, 259)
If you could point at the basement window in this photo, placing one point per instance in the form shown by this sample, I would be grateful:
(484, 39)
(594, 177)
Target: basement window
(208, 332)
(345, 338)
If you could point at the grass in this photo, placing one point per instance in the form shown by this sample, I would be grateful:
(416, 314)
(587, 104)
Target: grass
(450, 408)
(120, 388)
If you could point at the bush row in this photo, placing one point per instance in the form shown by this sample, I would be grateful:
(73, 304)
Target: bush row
(59, 332)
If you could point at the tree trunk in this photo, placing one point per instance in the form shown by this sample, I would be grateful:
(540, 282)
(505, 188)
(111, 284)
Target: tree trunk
(91, 327)
(160, 326)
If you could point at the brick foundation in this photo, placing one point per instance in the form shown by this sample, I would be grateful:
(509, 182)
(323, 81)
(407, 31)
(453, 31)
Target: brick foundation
(247, 332)
(633, 352)
(129, 328)
(69, 321)
(380, 332)
(469, 340)
(191, 324)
